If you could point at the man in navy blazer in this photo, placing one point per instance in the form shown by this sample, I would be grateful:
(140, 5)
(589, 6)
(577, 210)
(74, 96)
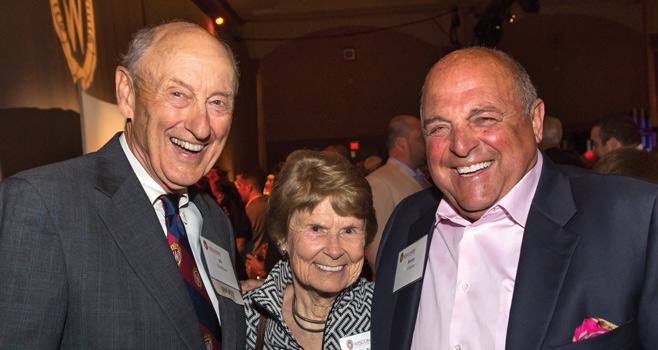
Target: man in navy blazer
(512, 251)
(84, 256)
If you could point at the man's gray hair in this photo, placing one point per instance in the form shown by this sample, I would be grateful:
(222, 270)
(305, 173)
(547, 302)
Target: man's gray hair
(144, 38)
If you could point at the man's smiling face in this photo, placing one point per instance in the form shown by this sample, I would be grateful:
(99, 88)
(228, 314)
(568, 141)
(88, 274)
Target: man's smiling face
(480, 142)
(182, 107)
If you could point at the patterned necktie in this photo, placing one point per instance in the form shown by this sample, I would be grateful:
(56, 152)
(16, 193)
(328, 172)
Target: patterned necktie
(180, 246)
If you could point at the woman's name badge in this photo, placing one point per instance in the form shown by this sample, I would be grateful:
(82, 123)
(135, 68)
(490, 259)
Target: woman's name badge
(221, 271)
(410, 264)
(359, 341)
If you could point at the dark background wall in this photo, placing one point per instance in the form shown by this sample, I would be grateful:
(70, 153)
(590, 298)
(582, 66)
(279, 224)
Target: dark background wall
(303, 93)
(584, 67)
(28, 137)
(313, 97)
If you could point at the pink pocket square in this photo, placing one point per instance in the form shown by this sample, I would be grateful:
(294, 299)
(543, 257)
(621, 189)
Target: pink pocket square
(592, 327)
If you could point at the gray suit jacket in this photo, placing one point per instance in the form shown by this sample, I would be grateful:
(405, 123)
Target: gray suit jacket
(85, 265)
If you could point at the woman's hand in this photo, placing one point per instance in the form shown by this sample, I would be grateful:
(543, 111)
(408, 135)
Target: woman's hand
(250, 284)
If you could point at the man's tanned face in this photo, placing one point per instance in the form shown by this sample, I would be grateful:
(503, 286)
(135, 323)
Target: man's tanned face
(480, 142)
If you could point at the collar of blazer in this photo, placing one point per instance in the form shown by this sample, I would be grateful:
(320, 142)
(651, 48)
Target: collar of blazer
(546, 252)
(127, 214)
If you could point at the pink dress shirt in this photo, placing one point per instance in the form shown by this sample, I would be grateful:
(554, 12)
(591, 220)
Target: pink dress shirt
(470, 273)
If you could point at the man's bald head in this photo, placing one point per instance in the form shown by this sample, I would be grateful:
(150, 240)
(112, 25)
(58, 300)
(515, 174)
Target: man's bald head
(526, 91)
(405, 141)
(150, 36)
(399, 126)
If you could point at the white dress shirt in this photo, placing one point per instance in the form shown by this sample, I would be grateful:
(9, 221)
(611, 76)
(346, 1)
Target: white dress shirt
(189, 214)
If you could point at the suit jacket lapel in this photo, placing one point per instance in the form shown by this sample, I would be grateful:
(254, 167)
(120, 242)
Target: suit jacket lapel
(546, 252)
(406, 307)
(133, 224)
(217, 229)
(214, 230)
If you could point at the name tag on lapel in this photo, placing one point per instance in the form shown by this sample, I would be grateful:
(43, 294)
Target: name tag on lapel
(221, 271)
(359, 341)
(411, 261)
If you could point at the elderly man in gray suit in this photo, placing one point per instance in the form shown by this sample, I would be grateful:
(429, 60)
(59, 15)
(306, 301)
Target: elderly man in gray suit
(85, 250)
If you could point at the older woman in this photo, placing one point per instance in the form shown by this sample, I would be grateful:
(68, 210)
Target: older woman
(320, 213)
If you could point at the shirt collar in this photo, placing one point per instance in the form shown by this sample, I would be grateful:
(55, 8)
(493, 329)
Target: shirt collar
(153, 189)
(516, 203)
(408, 169)
(252, 199)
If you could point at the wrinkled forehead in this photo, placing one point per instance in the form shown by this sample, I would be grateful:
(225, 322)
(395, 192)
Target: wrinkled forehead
(468, 70)
(173, 44)
(473, 63)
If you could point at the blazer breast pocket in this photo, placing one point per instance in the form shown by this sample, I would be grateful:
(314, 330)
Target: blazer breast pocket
(624, 337)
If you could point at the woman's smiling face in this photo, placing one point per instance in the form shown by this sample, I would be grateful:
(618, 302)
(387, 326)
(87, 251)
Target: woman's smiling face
(326, 250)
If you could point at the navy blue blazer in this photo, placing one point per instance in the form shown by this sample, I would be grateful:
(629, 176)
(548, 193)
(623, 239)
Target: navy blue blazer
(590, 249)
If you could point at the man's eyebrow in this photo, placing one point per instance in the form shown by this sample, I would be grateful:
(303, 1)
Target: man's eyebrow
(481, 110)
(222, 93)
(434, 119)
(182, 83)
(189, 87)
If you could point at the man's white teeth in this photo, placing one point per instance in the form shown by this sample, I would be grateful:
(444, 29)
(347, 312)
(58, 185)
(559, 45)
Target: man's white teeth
(188, 146)
(466, 170)
(329, 268)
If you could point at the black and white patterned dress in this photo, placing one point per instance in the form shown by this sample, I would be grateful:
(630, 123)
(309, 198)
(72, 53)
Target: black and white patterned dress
(349, 315)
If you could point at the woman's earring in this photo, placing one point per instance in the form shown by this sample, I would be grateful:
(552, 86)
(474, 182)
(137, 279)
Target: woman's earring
(281, 248)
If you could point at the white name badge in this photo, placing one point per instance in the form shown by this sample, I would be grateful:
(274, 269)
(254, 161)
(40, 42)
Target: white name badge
(221, 271)
(410, 264)
(356, 342)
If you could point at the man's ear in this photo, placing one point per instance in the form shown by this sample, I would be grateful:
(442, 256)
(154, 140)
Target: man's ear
(125, 90)
(401, 142)
(537, 115)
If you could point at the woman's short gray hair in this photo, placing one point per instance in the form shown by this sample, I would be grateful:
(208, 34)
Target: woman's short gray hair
(306, 179)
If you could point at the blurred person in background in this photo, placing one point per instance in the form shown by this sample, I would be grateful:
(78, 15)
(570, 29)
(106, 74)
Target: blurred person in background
(400, 176)
(615, 131)
(250, 186)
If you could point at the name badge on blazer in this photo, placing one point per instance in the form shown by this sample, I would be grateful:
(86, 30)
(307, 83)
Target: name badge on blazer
(359, 341)
(221, 271)
(411, 261)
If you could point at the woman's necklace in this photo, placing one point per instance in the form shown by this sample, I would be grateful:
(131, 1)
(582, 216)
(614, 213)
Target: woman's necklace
(295, 315)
